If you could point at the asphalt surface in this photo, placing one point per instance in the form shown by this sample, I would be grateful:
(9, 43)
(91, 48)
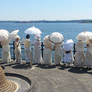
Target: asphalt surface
(55, 79)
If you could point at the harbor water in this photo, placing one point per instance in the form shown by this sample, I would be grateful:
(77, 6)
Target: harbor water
(69, 30)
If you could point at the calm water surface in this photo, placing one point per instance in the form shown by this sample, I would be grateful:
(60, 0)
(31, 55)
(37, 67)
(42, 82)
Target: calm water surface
(69, 30)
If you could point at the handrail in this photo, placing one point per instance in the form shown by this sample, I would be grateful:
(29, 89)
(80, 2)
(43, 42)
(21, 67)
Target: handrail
(12, 48)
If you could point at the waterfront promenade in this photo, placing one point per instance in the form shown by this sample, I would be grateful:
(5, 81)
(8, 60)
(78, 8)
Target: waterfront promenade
(55, 79)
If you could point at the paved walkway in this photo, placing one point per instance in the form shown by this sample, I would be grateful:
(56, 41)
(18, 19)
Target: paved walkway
(59, 79)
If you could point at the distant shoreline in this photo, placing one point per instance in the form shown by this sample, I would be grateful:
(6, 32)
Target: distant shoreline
(49, 21)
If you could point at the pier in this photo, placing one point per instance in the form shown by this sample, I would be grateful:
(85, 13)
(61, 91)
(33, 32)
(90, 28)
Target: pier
(54, 79)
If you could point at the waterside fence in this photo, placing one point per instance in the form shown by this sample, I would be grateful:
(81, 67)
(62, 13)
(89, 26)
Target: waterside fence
(12, 49)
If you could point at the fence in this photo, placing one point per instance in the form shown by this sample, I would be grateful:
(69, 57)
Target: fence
(12, 49)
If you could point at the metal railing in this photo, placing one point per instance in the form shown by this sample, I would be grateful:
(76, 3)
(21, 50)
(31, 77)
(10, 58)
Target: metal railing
(12, 49)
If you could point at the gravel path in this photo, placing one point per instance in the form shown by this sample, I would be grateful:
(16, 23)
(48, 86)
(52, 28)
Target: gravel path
(59, 79)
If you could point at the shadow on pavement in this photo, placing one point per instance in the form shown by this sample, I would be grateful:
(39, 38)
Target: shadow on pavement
(21, 66)
(63, 67)
(78, 70)
(46, 66)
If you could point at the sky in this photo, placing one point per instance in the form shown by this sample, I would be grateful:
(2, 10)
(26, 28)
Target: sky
(45, 9)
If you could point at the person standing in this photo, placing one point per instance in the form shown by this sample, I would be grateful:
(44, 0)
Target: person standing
(58, 53)
(89, 54)
(28, 51)
(68, 52)
(47, 52)
(68, 57)
(18, 50)
(79, 54)
(37, 57)
(6, 56)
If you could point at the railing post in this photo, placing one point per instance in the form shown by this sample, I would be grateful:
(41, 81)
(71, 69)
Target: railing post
(13, 50)
(0, 50)
(42, 48)
(74, 49)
